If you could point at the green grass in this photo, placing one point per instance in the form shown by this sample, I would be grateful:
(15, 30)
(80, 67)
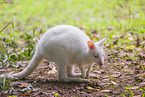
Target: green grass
(94, 14)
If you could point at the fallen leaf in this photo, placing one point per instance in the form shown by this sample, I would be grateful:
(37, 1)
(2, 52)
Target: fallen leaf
(114, 83)
(110, 28)
(132, 46)
(143, 83)
(97, 89)
(1, 70)
(138, 41)
(141, 75)
(44, 61)
(138, 79)
(83, 27)
(115, 36)
(24, 85)
(135, 63)
(106, 91)
(127, 48)
(130, 38)
(91, 88)
(116, 75)
(94, 31)
(95, 36)
(95, 71)
(128, 34)
(136, 87)
(137, 96)
(141, 56)
(25, 94)
(113, 43)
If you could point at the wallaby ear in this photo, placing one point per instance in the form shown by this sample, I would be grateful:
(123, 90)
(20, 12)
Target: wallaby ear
(91, 45)
(100, 43)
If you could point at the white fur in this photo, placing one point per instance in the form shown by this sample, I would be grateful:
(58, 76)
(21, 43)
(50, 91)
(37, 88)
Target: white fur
(66, 46)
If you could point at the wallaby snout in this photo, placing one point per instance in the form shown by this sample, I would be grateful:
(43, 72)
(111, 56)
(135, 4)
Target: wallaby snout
(101, 63)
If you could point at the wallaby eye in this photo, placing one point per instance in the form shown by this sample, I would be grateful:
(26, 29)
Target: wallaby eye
(96, 56)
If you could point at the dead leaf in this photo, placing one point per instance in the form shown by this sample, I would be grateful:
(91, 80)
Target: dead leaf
(106, 91)
(91, 88)
(141, 75)
(128, 34)
(110, 28)
(136, 87)
(138, 79)
(116, 75)
(135, 63)
(24, 85)
(95, 35)
(143, 84)
(26, 94)
(113, 43)
(95, 71)
(114, 83)
(97, 89)
(1, 70)
(115, 36)
(132, 46)
(130, 38)
(141, 56)
(127, 48)
(44, 61)
(138, 41)
(137, 96)
(94, 31)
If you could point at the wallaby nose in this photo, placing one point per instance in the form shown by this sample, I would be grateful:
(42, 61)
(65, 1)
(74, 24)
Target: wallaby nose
(101, 63)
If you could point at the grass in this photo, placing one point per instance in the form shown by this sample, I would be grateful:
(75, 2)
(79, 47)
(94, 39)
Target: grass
(121, 15)
(22, 23)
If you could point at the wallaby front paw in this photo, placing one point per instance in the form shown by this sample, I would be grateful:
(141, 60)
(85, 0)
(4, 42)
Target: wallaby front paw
(87, 75)
(68, 79)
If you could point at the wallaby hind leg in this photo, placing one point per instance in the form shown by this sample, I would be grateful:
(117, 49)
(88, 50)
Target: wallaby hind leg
(70, 72)
(62, 75)
(82, 70)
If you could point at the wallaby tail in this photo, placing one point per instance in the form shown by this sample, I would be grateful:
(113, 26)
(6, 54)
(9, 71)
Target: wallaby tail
(35, 61)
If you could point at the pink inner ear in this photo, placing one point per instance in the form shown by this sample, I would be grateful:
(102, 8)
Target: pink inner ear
(91, 45)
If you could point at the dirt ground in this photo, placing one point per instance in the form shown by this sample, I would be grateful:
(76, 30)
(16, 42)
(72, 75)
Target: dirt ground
(110, 81)
(116, 79)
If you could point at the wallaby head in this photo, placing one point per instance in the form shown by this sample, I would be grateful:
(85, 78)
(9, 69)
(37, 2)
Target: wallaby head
(96, 51)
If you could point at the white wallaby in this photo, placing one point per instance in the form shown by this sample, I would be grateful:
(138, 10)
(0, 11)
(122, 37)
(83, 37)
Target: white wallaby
(66, 46)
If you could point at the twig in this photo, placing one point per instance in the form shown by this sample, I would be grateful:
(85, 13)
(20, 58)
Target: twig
(6, 26)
